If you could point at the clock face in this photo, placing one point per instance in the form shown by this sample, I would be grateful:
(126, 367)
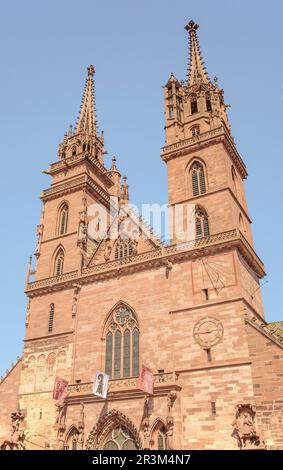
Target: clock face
(208, 332)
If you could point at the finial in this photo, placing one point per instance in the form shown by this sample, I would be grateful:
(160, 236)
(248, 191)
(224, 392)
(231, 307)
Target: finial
(191, 27)
(113, 165)
(90, 71)
(70, 132)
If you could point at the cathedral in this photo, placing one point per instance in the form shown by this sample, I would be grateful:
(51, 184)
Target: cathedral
(105, 293)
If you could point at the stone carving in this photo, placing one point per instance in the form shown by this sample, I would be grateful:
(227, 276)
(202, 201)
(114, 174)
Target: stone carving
(171, 397)
(77, 289)
(145, 424)
(208, 332)
(83, 225)
(16, 441)
(244, 427)
(107, 422)
(27, 313)
(39, 234)
(81, 427)
(60, 423)
(108, 249)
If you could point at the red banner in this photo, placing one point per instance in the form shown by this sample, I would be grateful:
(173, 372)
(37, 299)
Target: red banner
(145, 380)
(60, 389)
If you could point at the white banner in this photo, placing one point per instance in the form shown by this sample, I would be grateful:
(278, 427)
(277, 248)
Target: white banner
(100, 384)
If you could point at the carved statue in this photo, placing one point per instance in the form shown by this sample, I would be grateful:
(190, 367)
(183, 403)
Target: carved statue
(17, 436)
(81, 427)
(108, 249)
(60, 423)
(145, 423)
(75, 299)
(171, 397)
(39, 234)
(244, 427)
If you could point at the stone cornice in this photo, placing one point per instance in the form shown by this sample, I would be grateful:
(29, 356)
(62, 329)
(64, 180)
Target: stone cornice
(65, 164)
(193, 144)
(81, 182)
(49, 336)
(262, 327)
(152, 259)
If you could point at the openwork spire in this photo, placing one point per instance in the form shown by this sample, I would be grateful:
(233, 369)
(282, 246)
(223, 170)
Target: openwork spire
(196, 68)
(87, 116)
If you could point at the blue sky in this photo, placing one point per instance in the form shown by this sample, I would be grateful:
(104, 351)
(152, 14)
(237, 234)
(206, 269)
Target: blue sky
(134, 46)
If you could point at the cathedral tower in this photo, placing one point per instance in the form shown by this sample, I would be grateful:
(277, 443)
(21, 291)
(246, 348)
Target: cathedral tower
(205, 169)
(190, 311)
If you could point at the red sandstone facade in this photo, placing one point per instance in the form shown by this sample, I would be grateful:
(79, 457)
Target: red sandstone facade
(190, 310)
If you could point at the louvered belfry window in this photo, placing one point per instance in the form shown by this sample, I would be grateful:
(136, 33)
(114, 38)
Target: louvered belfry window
(51, 317)
(202, 224)
(63, 219)
(59, 263)
(122, 344)
(194, 104)
(198, 179)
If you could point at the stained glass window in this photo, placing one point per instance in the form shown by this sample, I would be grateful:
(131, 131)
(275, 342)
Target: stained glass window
(120, 438)
(122, 344)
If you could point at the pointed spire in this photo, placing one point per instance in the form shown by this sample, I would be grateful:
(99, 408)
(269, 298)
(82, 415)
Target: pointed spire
(87, 118)
(196, 68)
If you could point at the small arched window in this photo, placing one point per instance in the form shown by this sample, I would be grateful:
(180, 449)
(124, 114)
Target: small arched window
(201, 223)
(124, 247)
(122, 344)
(162, 439)
(194, 103)
(195, 130)
(208, 102)
(63, 219)
(170, 103)
(71, 442)
(198, 179)
(51, 317)
(59, 263)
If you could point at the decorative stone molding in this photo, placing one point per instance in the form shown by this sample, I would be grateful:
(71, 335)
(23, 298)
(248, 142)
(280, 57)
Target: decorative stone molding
(16, 441)
(171, 397)
(106, 422)
(152, 259)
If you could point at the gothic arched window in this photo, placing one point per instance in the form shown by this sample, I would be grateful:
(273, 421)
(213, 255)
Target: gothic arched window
(120, 438)
(124, 247)
(51, 318)
(59, 263)
(195, 130)
(122, 344)
(63, 219)
(198, 179)
(202, 225)
(162, 439)
(194, 103)
(170, 103)
(208, 102)
(71, 442)
(159, 437)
